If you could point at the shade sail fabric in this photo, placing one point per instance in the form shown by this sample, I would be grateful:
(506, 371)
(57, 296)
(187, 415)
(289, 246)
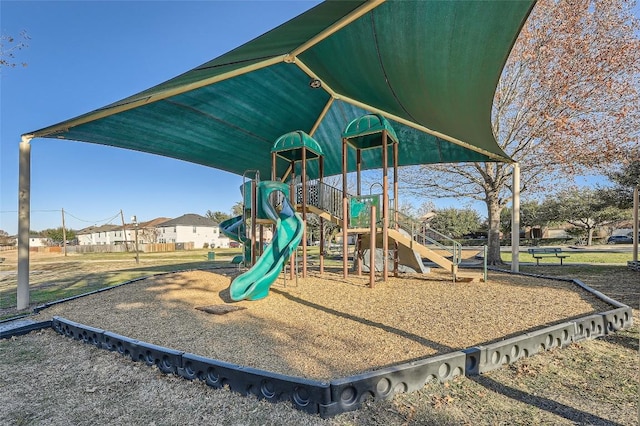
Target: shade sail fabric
(429, 67)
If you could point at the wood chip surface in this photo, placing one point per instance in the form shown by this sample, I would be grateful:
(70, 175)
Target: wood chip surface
(328, 327)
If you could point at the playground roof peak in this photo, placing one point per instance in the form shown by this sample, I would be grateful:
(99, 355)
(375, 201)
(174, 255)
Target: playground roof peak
(429, 67)
(290, 146)
(366, 131)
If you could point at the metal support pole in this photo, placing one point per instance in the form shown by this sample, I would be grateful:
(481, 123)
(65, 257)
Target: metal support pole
(254, 209)
(294, 202)
(372, 248)
(358, 172)
(320, 190)
(24, 223)
(635, 225)
(303, 182)
(396, 254)
(273, 166)
(515, 220)
(64, 235)
(135, 233)
(345, 219)
(485, 251)
(385, 207)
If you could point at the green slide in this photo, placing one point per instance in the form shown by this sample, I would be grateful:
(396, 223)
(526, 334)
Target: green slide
(255, 283)
(234, 229)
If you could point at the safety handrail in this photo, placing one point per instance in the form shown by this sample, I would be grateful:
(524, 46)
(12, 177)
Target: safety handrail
(322, 196)
(428, 236)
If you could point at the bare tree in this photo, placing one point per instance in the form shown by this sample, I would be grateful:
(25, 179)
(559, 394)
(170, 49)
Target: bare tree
(567, 102)
(9, 46)
(149, 234)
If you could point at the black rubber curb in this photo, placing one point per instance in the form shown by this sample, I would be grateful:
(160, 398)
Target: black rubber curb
(17, 317)
(20, 330)
(345, 394)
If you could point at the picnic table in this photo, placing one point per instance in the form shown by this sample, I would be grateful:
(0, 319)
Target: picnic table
(553, 252)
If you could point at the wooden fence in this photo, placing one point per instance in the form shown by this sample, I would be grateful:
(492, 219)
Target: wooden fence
(117, 248)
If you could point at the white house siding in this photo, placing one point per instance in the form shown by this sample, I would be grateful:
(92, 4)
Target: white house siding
(85, 239)
(198, 235)
(102, 235)
(38, 241)
(167, 234)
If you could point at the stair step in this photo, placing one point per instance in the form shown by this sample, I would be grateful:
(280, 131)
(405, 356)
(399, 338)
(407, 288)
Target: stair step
(470, 277)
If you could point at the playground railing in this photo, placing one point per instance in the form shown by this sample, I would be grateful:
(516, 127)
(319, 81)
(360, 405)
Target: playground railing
(429, 237)
(322, 196)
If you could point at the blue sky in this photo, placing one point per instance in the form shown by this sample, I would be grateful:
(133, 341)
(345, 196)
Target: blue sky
(86, 54)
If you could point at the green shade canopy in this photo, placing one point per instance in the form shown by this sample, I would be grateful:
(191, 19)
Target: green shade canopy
(366, 131)
(290, 146)
(429, 67)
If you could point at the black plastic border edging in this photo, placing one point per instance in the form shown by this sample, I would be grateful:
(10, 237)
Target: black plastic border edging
(599, 295)
(18, 331)
(306, 395)
(17, 317)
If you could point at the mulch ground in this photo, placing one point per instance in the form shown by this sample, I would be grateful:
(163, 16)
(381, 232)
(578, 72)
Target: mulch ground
(328, 327)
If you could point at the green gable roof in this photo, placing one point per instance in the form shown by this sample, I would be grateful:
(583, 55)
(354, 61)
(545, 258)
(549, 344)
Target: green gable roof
(290, 146)
(366, 131)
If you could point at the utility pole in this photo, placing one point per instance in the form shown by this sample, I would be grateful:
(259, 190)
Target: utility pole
(64, 235)
(134, 219)
(124, 231)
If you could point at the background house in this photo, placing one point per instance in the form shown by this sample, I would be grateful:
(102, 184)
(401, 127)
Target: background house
(38, 241)
(192, 228)
(148, 232)
(100, 235)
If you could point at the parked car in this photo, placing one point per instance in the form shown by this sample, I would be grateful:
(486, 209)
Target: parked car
(620, 239)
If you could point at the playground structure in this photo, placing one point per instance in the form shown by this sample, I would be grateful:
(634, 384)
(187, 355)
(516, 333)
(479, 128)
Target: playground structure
(284, 203)
(308, 74)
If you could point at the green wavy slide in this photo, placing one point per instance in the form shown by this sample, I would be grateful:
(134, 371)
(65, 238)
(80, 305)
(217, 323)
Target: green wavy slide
(254, 284)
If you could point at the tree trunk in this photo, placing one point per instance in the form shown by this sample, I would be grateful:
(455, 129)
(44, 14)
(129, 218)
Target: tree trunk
(493, 209)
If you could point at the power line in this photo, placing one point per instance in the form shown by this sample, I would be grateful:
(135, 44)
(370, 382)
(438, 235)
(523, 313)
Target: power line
(32, 211)
(107, 220)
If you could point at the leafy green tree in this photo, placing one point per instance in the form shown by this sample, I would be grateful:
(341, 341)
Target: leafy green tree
(237, 208)
(456, 222)
(530, 217)
(57, 235)
(217, 216)
(582, 208)
(625, 179)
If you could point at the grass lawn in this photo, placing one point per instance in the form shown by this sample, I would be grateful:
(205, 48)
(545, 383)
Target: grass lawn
(575, 257)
